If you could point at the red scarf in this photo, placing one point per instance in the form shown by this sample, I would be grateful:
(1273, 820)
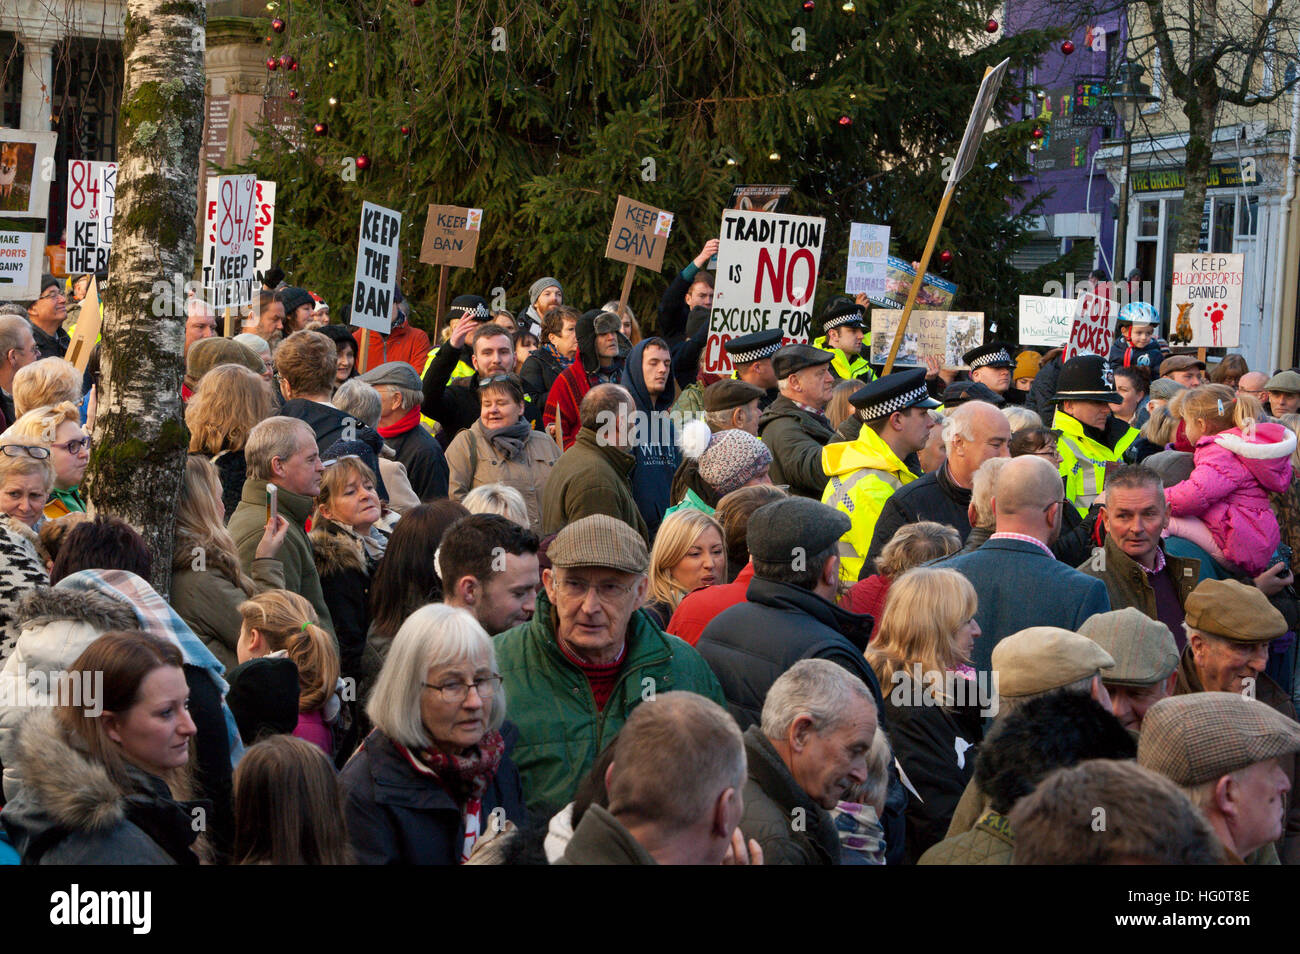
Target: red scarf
(407, 423)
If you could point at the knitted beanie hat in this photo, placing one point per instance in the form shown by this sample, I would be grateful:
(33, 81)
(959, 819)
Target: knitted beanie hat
(733, 459)
(539, 286)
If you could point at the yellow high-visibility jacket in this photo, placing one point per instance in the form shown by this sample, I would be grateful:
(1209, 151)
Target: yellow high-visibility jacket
(862, 474)
(842, 367)
(1084, 460)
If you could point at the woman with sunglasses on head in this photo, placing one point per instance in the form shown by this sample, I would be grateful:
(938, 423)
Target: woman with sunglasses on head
(58, 428)
(25, 480)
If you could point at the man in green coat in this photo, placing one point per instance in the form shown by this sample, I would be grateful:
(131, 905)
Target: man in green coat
(794, 427)
(282, 451)
(587, 658)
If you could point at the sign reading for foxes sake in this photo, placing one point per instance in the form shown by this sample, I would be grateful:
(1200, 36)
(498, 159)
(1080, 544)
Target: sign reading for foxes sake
(376, 277)
(767, 272)
(1206, 300)
(451, 236)
(1093, 328)
(639, 234)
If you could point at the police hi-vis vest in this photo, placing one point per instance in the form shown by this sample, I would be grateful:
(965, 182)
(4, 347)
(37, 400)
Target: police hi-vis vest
(843, 368)
(1083, 460)
(861, 476)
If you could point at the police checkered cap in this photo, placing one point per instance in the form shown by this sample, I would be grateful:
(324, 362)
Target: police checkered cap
(754, 354)
(1001, 356)
(852, 318)
(888, 406)
(464, 305)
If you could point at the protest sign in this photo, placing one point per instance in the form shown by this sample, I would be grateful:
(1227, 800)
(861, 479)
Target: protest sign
(89, 319)
(26, 169)
(866, 273)
(936, 293)
(87, 243)
(107, 200)
(451, 235)
(1093, 328)
(263, 232)
(946, 335)
(1046, 320)
(1206, 300)
(232, 285)
(20, 270)
(758, 198)
(375, 283)
(639, 234)
(767, 273)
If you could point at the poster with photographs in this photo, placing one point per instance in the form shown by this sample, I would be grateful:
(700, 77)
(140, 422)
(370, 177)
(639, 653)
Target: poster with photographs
(26, 170)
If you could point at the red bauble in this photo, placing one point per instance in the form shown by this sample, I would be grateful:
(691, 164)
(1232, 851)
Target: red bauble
(945, 256)
(846, 121)
(992, 25)
(277, 25)
(286, 60)
(1067, 47)
(1015, 100)
(406, 130)
(363, 161)
(293, 94)
(808, 4)
(272, 63)
(293, 65)
(320, 129)
(417, 3)
(1037, 133)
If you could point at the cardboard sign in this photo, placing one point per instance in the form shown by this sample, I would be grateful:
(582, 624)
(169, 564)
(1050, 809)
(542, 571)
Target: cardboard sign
(20, 269)
(263, 232)
(235, 232)
(979, 118)
(767, 273)
(87, 333)
(946, 335)
(26, 170)
(1046, 320)
(1205, 301)
(85, 251)
(451, 236)
(376, 278)
(868, 259)
(1093, 328)
(638, 234)
(936, 293)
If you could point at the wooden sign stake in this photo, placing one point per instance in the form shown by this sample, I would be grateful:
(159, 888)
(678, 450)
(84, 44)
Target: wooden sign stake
(920, 277)
(1200, 355)
(364, 358)
(627, 289)
(442, 302)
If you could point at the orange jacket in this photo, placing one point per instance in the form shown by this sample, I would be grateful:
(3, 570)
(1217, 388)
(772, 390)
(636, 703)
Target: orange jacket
(404, 344)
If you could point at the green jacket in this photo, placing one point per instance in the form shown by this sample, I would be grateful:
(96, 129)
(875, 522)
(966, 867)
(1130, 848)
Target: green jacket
(990, 842)
(1127, 583)
(690, 402)
(560, 730)
(246, 526)
(590, 478)
(601, 840)
(796, 438)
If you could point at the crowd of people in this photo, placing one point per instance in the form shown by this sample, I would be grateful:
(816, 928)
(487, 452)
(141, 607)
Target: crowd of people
(548, 591)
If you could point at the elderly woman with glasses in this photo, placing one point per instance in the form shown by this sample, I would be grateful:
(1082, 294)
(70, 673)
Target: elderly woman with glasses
(434, 776)
(57, 427)
(25, 480)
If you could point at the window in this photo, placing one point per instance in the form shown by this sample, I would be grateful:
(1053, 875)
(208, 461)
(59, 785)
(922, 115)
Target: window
(1148, 220)
(1248, 215)
(1221, 225)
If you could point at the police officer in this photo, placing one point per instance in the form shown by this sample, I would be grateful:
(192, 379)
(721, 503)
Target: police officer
(846, 336)
(1091, 436)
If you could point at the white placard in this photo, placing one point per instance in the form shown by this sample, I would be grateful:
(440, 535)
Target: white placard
(1046, 320)
(1205, 300)
(86, 252)
(263, 232)
(376, 276)
(1093, 327)
(20, 270)
(107, 202)
(868, 264)
(767, 273)
(232, 285)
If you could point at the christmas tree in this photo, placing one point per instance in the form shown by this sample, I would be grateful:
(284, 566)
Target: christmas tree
(542, 113)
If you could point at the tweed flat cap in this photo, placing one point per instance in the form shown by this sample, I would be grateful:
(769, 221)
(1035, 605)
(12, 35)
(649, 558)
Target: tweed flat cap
(1143, 648)
(796, 357)
(1180, 362)
(729, 393)
(1162, 389)
(1286, 381)
(1197, 738)
(781, 531)
(1233, 610)
(1042, 658)
(398, 374)
(599, 540)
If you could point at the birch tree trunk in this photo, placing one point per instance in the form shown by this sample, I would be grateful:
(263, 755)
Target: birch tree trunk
(140, 441)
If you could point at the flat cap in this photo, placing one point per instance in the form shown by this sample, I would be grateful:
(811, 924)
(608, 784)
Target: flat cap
(1162, 389)
(1042, 658)
(781, 530)
(1233, 610)
(796, 357)
(755, 347)
(1202, 736)
(1284, 381)
(959, 392)
(991, 355)
(893, 392)
(1143, 648)
(729, 393)
(1180, 362)
(398, 374)
(599, 540)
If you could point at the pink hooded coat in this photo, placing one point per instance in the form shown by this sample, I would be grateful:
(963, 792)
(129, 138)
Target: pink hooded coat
(1228, 490)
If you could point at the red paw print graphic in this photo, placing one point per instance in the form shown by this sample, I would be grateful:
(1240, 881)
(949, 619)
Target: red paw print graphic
(1216, 313)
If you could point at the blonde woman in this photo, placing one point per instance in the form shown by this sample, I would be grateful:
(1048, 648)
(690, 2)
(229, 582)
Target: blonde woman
(47, 381)
(230, 401)
(25, 480)
(921, 654)
(284, 624)
(689, 552)
(207, 582)
(498, 499)
(57, 427)
(838, 410)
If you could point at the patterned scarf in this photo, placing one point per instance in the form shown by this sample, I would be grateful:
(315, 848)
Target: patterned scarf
(465, 778)
(560, 359)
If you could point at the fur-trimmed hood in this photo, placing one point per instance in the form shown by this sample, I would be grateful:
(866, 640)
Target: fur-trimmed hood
(335, 550)
(57, 604)
(70, 789)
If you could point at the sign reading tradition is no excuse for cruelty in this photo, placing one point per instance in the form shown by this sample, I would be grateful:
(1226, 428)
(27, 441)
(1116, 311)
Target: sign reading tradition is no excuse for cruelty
(767, 273)
(1206, 300)
(376, 278)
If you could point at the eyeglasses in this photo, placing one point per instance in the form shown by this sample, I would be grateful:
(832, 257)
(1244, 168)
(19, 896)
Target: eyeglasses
(457, 692)
(28, 450)
(74, 447)
(575, 589)
(52, 294)
(1051, 453)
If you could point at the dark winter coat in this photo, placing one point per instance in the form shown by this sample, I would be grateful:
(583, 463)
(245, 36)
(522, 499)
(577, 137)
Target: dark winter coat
(232, 471)
(672, 307)
(599, 839)
(590, 478)
(426, 464)
(69, 811)
(537, 376)
(772, 800)
(657, 457)
(796, 438)
(345, 573)
(933, 496)
(453, 403)
(330, 425)
(398, 816)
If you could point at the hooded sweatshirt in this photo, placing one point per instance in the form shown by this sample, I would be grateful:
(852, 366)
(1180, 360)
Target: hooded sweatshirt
(1232, 476)
(654, 449)
(565, 399)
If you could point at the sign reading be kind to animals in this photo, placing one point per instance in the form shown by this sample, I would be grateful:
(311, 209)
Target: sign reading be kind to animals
(639, 234)
(767, 272)
(1206, 295)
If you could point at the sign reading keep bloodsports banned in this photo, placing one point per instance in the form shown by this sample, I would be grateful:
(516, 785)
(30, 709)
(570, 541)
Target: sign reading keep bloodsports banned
(767, 273)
